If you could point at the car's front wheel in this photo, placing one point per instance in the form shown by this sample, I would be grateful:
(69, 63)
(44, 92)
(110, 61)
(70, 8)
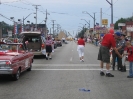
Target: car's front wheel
(29, 69)
(17, 75)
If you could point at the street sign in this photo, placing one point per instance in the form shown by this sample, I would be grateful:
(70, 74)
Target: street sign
(129, 28)
(121, 24)
(10, 33)
(112, 26)
(104, 21)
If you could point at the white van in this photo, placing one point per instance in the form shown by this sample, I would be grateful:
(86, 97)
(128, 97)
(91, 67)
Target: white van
(36, 42)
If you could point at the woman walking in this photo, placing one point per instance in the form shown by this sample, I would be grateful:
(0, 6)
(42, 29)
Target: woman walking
(80, 48)
(48, 48)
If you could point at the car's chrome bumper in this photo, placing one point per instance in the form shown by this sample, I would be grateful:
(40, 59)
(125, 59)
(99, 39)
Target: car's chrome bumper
(6, 71)
(39, 52)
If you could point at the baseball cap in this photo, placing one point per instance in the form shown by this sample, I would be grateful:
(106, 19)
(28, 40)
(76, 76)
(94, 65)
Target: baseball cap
(118, 33)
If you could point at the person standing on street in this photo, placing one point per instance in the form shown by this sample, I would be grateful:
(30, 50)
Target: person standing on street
(130, 58)
(48, 48)
(80, 48)
(122, 44)
(104, 54)
(115, 56)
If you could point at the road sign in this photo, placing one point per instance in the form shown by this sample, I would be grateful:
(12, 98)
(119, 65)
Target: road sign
(104, 21)
(121, 24)
(112, 26)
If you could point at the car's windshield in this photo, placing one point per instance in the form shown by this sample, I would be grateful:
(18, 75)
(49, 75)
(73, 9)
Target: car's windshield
(7, 47)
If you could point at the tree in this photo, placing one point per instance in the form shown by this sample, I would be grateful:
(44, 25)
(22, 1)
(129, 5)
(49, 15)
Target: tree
(5, 27)
(122, 20)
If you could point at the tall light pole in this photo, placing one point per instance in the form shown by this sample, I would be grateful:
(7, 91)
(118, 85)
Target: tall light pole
(92, 17)
(87, 22)
(111, 3)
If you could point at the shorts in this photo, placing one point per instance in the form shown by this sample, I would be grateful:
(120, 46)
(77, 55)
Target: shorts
(104, 54)
(48, 48)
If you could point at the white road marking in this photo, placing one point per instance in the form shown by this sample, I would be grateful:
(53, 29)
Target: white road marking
(71, 59)
(68, 69)
(35, 65)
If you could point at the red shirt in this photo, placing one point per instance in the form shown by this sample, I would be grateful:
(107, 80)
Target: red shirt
(81, 42)
(108, 41)
(130, 51)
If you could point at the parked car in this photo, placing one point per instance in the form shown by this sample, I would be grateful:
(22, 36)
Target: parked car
(59, 43)
(14, 59)
(36, 42)
(55, 44)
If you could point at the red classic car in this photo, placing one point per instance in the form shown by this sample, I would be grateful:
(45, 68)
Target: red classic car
(14, 59)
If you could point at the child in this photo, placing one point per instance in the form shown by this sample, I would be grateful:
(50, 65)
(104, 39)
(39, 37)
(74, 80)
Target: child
(130, 58)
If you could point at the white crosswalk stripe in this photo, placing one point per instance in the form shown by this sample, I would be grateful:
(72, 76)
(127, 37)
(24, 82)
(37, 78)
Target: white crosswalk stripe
(77, 67)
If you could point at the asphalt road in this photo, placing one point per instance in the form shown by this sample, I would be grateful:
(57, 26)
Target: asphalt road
(65, 77)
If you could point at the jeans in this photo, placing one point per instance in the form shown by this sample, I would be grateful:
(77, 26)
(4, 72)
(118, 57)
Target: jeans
(130, 68)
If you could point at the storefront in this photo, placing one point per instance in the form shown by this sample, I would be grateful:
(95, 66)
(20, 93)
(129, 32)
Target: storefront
(129, 29)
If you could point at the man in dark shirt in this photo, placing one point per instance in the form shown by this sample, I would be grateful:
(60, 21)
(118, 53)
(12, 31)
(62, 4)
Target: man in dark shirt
(122, 44)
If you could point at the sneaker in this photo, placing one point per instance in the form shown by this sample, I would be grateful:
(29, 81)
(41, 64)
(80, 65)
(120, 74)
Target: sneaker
(109, 75)
(82, 60)
(129, 76)
(50, 58)
(102, 73)
(46, 58)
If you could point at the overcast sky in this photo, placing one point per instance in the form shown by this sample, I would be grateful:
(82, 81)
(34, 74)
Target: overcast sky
(66, 13)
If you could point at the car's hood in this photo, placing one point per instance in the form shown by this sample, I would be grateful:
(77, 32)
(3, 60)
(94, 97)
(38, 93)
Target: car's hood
(7, 55)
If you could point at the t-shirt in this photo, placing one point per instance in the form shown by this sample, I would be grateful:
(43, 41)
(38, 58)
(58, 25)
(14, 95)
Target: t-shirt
(108, 41)
(130, 51)
(49, 42)
(81, 42)
(122, 44)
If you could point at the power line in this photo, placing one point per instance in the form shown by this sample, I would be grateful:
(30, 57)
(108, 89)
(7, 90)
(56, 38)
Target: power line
(18, 7)
(12, 1)
(5, 17)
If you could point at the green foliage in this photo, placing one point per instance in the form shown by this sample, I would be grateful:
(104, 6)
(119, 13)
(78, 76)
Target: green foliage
(82, 32)
(122, 20)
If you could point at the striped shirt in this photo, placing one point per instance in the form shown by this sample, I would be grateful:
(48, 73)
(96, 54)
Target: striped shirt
(48, 42)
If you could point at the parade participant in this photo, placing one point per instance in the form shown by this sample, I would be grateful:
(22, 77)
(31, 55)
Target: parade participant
(116, 58)
(130, 58)
(48, 48)
(104, 54)
(80, 48)
(122, 44)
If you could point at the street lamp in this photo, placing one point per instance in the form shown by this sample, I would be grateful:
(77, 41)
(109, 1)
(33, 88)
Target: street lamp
(111, 3)
(25, 18)
(87, 22)
(92, 17)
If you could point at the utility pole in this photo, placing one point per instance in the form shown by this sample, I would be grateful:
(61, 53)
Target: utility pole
(36, 7)
(46, 24)
(111, 3)
(101, 18)
(53, 26)
(0, 30)
(132, 16)
(58, 28)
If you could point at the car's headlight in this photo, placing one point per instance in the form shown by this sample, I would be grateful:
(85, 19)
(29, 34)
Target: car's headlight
(5, 65)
